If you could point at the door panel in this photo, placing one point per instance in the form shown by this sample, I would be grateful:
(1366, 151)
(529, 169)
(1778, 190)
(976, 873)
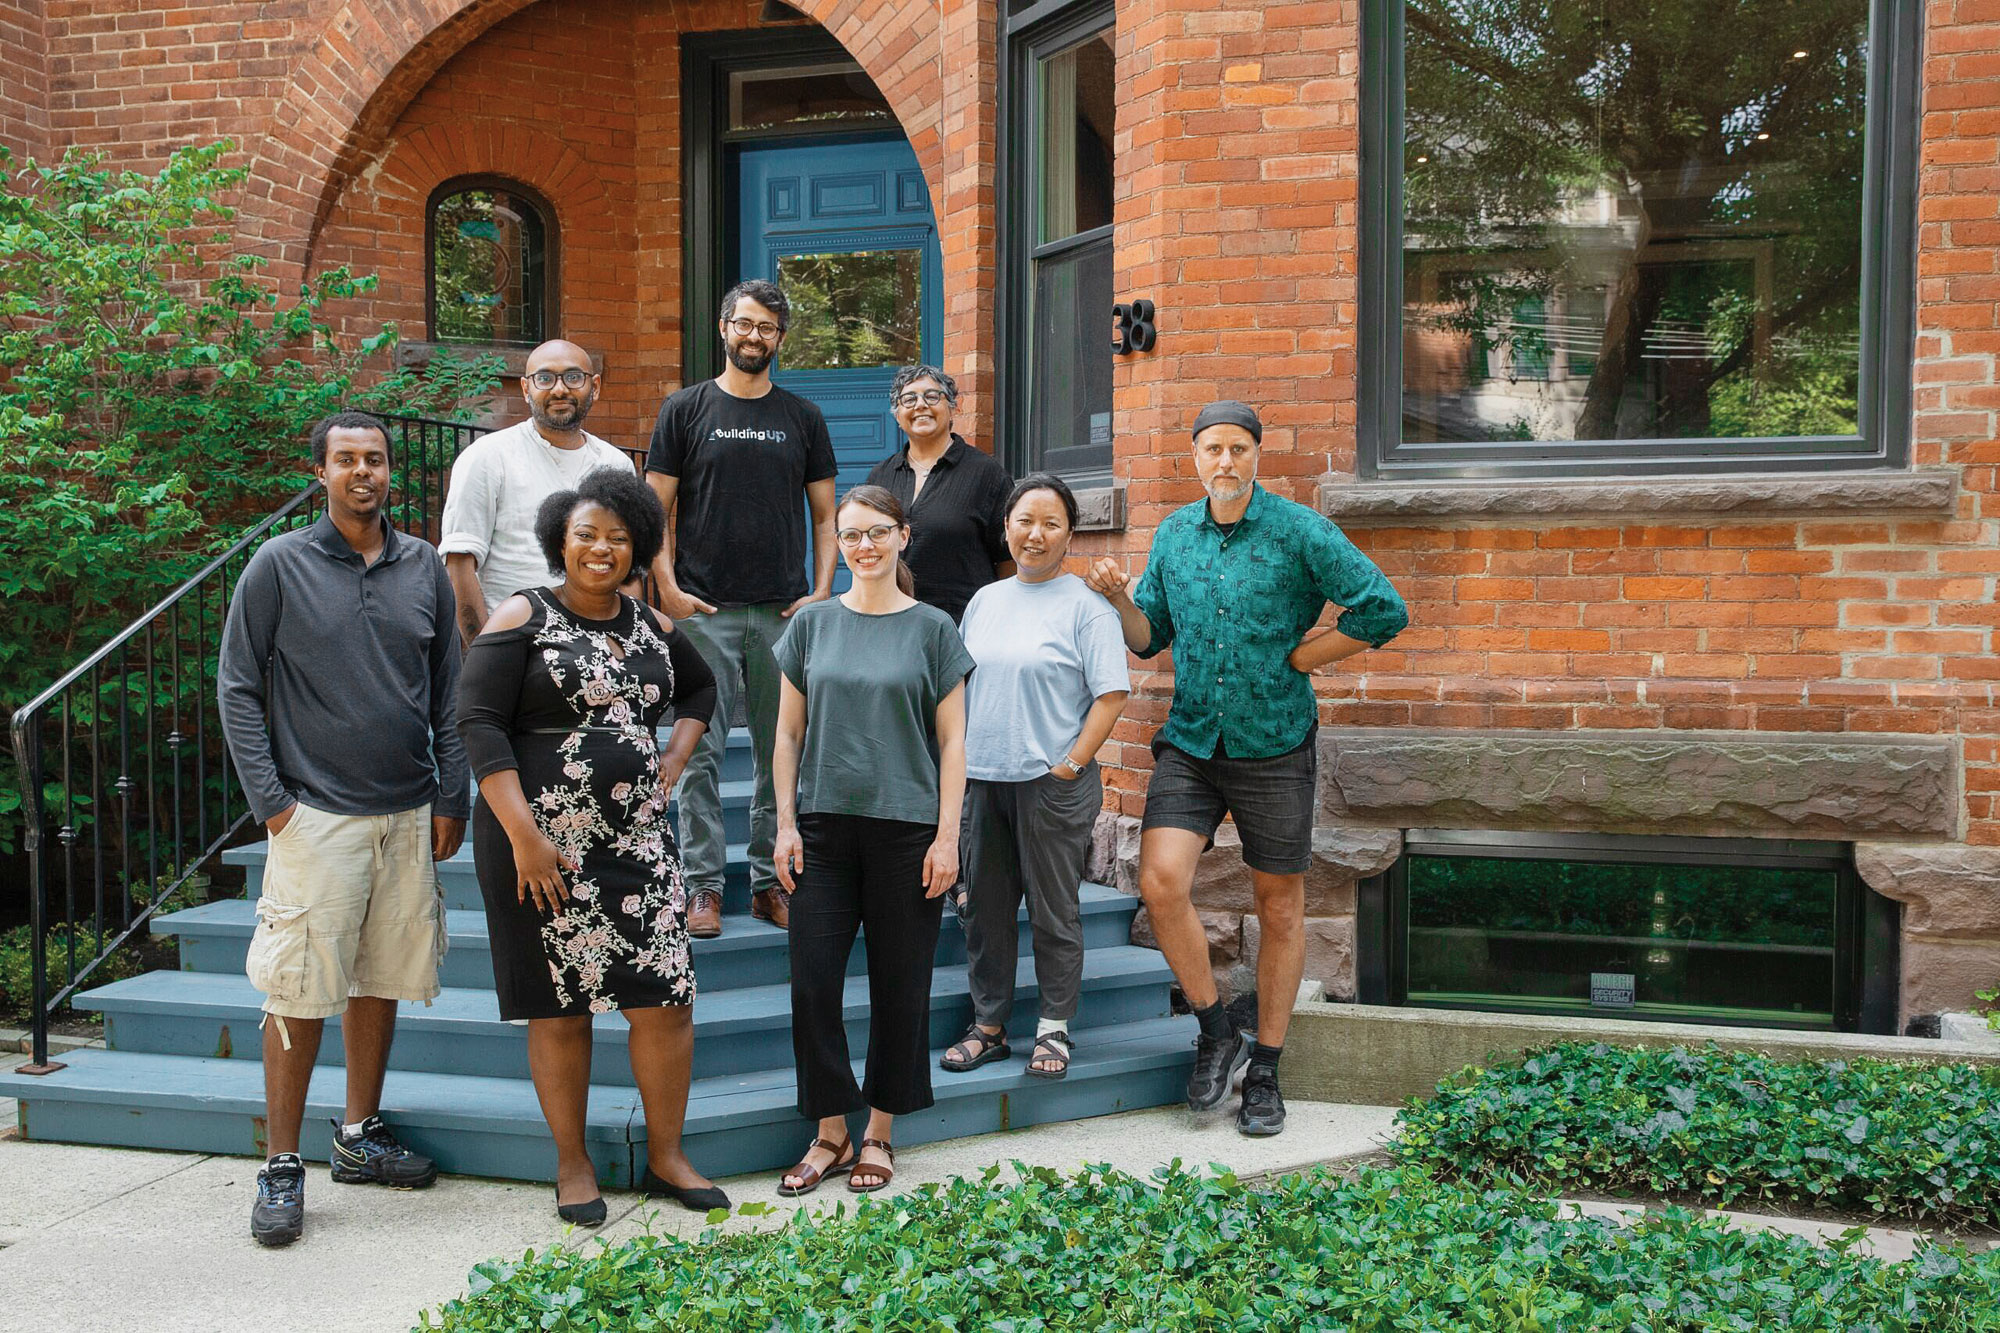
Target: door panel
(846, 228)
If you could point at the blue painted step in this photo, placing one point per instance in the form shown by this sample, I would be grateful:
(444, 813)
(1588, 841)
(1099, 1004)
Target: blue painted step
(460, 880)
(493, 1126)
(215, 936)
(736, 1031)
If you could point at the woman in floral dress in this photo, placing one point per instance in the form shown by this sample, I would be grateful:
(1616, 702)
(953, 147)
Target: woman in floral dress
(559, 705)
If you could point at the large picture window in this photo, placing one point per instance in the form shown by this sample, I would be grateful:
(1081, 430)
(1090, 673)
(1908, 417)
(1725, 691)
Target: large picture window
(491, 252)
(1658, 235)
(1061, 110)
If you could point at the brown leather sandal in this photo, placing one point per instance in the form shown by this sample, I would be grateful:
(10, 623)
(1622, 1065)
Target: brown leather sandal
(887, 1172)
(810, 1176)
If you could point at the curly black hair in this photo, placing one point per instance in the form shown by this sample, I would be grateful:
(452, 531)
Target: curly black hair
(624, 494)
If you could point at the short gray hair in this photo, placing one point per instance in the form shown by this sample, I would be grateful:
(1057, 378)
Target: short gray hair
(909, 375)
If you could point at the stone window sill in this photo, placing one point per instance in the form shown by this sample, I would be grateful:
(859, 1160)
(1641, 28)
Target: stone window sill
(1925, 492)
(513, 356)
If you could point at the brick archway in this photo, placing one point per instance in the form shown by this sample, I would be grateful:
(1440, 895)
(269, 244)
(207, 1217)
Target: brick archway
(370, 59)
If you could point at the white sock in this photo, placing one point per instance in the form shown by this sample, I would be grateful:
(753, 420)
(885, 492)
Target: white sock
(352, 1131)
(1043, 1027)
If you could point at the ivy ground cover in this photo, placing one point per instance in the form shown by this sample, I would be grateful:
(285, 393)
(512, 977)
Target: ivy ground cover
(1398, 1250)
(1874, 1136)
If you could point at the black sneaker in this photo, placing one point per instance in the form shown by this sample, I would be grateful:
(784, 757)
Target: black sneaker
(1215, 1064)
(1263, 1110)
(373, 1157)
(278, 1217)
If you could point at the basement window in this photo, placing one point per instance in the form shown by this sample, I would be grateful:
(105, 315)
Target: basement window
(1765, 933)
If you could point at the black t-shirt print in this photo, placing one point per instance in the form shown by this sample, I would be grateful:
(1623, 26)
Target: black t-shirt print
(741, 537)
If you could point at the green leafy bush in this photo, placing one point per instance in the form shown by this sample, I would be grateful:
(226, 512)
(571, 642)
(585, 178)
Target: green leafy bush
(17, 978)
(155, 393)
(1392, 1250)
(1909, 1140)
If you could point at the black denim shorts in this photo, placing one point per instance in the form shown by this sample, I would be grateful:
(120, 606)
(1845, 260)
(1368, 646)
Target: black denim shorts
(1270, 799)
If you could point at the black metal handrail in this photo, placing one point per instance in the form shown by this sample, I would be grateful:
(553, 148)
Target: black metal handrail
(135, 723)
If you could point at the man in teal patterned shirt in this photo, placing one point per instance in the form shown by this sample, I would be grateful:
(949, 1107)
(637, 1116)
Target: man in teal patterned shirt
(1234, 585)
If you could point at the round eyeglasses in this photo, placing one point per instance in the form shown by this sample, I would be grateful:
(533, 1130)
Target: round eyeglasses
(851, 537)
(571, 379)
(743, 328)
(928, 398)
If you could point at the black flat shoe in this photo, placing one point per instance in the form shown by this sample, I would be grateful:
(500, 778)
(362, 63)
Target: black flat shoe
(590, 1213)
(694, 1200)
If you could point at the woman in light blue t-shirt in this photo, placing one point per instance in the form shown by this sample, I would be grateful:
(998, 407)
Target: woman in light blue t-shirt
(1051, 681)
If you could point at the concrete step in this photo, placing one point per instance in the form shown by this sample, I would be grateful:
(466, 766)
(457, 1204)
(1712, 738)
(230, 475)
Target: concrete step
(215, 936)
(487, 1126)
(736, 1031)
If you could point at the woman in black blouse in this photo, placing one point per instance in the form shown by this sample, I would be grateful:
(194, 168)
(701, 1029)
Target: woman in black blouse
(559, 705)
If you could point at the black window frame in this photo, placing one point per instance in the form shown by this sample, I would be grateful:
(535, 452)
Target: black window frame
(1030, 33)
(551, 256)
(1867, 926)
(1888, 295)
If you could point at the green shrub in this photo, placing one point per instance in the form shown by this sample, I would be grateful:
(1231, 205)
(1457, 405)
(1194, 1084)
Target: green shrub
(155, 393)
(1910, 1140)
(1393, 1250)
(17, 977)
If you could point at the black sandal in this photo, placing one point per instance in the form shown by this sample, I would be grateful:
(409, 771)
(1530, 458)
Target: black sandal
(992, 1046)
(1051, 1046)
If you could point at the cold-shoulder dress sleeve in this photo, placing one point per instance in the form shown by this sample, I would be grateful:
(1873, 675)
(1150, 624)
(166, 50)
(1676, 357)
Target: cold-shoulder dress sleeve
(489, 697)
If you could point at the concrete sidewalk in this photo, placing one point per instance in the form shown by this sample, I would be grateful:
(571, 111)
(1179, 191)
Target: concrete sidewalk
(113, 1240)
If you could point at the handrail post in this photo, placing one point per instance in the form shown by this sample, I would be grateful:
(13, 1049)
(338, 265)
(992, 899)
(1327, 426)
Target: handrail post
(28, 753)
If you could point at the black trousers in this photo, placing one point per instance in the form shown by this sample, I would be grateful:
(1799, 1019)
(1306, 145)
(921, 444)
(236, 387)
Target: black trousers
(863, 874)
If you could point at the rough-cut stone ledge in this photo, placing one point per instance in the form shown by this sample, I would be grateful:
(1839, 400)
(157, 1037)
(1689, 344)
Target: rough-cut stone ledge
(1100, 509)
(1949, 889)
(1926, 492)
(514, 359)
(1713, 783)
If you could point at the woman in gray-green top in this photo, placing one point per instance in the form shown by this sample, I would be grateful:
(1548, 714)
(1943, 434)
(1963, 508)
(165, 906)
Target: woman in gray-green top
(874, 687)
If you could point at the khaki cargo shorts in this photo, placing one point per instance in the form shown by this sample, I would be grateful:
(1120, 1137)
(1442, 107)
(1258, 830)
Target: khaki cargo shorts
(351, 906)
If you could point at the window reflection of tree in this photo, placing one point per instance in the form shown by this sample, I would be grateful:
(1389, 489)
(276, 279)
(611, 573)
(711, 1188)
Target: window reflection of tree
(1678, 184)
(853, 310)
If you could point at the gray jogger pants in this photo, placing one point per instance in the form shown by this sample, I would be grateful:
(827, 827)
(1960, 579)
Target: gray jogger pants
(1027, 839)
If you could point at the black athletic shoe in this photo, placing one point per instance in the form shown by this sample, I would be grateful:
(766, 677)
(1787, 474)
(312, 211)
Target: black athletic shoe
(1215, 1064)
(278, 1217)
(1263, 1110)
(373, 1157)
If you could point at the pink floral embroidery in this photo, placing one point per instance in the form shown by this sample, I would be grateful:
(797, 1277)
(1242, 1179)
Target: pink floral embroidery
(620, 838)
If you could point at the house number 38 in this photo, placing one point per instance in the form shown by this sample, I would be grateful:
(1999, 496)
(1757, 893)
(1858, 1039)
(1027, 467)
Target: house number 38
(1135, 327)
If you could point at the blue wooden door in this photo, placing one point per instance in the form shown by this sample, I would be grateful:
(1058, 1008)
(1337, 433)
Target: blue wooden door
(846, 230)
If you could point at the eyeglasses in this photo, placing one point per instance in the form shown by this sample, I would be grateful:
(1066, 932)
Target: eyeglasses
(743, 328)
(572, 379)
(929, 398)
(875, 535)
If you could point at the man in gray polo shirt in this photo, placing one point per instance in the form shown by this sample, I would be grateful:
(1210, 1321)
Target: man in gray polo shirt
(338, 685)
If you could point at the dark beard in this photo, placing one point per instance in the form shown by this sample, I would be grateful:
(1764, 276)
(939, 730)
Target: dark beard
(581, 405)
(747, 362)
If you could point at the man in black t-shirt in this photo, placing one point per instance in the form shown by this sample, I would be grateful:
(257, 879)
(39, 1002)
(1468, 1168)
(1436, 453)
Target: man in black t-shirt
(730, 459)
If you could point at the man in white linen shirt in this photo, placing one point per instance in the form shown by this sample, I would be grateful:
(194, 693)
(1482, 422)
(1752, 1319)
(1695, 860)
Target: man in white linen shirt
(501, 479)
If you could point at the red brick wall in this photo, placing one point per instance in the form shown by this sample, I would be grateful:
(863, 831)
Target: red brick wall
(1237, 165)
(24, 78)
